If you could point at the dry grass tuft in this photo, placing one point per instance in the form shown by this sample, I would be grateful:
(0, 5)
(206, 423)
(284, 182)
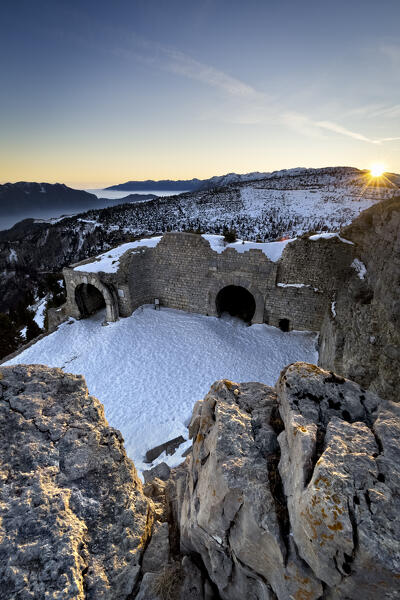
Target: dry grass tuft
(168, 583)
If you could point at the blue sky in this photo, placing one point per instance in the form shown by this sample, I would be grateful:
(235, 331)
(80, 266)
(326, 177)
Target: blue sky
(95, 93)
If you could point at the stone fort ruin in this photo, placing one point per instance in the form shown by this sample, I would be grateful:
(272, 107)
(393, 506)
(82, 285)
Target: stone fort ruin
(289, 284)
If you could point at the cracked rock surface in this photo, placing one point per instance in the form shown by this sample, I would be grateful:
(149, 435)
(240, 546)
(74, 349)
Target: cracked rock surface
(293, 493)
(361, 338)
(73, 517)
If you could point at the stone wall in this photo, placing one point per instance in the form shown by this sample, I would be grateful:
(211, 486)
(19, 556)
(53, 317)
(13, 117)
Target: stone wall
(319, 263)
(184, 273)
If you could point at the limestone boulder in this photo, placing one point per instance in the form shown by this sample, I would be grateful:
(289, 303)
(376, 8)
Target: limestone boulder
(160, 471)
(293, 492)
(147, 587)
(233, 513)
(193, 585)
(157, 553)
(340, 467)
(73, 517)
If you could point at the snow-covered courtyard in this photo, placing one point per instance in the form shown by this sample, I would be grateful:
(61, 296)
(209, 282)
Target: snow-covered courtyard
(150, 368)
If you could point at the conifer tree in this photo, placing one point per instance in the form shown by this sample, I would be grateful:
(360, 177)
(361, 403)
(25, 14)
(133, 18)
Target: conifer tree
(10, 338)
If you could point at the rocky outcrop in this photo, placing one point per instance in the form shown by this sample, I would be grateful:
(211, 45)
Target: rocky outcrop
(74, 521)
(293, 492)
(289, 493)
(340, 469)
(360, 336)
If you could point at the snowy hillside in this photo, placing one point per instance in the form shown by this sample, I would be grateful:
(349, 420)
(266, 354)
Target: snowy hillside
(281, 204)
(285, 174)
(149, 378)
(224, 180)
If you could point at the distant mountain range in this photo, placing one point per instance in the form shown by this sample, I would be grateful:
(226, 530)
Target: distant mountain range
(218, 181)
(24, 199)
(184, 185)
(16, 197)
(188, 185)
(20, 196)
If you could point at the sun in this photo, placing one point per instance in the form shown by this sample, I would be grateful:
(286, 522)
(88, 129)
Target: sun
(377, 170)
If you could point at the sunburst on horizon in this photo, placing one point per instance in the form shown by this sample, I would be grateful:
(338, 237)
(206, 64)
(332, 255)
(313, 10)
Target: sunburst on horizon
(376, 177)
(377, 170)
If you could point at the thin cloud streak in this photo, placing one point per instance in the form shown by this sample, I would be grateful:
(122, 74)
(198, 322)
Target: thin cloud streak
(389, 112)
(257, 107)
(306, 126)
(357, 136)
(186, 66)
(343, 131)
(371, 111)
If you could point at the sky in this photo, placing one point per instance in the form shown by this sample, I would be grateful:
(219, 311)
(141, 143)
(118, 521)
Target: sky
(94, 92)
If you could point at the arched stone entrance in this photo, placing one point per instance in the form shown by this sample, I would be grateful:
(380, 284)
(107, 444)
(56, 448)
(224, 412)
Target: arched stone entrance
(91, 297)
(218, 285)
(237, 301)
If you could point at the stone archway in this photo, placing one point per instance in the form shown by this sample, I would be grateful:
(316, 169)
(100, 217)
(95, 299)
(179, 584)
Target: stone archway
(218, 286)
(91, 297)
(237, 301)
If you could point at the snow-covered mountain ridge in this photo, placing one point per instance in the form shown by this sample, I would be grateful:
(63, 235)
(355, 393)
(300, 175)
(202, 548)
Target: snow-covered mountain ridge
(281, 204)
(234, 178)
(301, 176)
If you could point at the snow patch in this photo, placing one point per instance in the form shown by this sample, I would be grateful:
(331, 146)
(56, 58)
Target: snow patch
(39, 309)
(53, 220)
(12, 257)
(272, 250)
(328, 236)
(217, 539)
(109, 261)
(149, 369)
(359, 267)
(333, 309)
(296, 285)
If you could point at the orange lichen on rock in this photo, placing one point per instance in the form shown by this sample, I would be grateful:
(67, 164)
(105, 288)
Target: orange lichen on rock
(324, 480)
(336, 526)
